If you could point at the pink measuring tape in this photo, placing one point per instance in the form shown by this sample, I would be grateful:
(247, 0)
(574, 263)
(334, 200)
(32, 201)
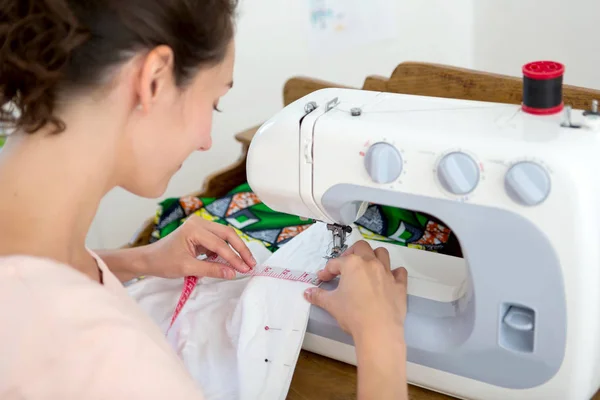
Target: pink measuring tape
(190, 282)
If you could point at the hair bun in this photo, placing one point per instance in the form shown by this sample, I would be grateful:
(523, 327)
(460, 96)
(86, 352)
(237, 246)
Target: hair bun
(36, 41)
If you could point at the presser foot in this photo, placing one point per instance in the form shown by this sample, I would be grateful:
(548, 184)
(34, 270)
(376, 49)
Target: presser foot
(339, 233)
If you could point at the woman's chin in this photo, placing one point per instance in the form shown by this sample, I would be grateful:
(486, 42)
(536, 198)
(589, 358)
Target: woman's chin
(155, 188)
(149, 191)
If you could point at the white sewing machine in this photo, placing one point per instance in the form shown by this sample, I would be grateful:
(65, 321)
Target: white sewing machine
(519, 316)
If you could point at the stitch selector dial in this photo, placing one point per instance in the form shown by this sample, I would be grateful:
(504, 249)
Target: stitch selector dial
(458, 173)
(383, 162)
(527, 183)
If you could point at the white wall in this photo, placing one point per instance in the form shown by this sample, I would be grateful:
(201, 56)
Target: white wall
(433, 30)
(510, 33)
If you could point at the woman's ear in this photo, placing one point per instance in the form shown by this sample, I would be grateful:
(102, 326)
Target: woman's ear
(155, 77)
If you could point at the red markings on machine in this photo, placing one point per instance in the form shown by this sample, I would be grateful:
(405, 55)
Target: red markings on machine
(362, 153)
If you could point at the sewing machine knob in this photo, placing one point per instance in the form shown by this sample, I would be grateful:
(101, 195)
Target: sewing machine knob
(383, 162)
(458, 173)
(527, 183)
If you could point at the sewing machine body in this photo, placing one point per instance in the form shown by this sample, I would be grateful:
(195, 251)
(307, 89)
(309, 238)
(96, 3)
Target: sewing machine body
(521, 192)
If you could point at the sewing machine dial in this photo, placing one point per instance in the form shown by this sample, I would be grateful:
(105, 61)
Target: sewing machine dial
(458, 173)
(527, 183)
(383, 162)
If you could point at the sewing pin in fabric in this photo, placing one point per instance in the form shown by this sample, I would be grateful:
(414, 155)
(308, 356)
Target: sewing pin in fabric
(268, 328)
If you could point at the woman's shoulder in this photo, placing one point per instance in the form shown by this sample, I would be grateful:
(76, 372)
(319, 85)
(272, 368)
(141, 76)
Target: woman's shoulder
(45, 285)
(47, 292)
(66, 329)
(31, 269)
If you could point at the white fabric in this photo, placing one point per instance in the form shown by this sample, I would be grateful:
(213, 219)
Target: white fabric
(220, 334)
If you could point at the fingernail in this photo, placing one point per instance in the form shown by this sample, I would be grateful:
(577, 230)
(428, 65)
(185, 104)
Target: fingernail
(244, 267)
(308, 293)
(253, 261)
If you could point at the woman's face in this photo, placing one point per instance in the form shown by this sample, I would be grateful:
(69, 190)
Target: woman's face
(168, 123)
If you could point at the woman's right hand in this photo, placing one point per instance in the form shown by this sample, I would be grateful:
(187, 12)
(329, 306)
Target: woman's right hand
(369, 297)
(370, 304)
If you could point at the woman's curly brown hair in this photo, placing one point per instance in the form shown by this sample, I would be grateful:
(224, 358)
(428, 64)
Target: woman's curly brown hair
(49, 48)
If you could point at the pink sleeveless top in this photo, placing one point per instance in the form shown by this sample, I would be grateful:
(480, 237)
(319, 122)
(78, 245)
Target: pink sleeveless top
(64, 336)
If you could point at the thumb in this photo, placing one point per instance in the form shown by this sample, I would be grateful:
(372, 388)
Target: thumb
(317, 297)
(210, 270)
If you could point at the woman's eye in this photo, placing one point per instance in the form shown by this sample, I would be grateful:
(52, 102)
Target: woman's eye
(216, 108)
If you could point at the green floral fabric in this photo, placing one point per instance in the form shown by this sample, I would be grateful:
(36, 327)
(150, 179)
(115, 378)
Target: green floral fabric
(253, 220)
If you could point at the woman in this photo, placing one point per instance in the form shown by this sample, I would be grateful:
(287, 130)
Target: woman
(119, 93)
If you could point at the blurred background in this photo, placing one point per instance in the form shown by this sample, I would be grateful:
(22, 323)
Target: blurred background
(280, 39)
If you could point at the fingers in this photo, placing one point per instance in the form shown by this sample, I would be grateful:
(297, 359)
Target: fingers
(383, 255)
(332, 269)
(215, 237)
(364, 250)
(317, 297)
(217, 245)
(360, 248)
(400, 275)
(230, 235)
(210, 269)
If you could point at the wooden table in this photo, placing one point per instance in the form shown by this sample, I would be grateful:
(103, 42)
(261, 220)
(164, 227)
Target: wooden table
(321, 378)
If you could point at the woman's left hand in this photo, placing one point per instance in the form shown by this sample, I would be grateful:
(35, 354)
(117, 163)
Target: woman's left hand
(175, 255)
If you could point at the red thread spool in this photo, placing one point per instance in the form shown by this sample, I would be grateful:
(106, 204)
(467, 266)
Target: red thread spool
(542, 87)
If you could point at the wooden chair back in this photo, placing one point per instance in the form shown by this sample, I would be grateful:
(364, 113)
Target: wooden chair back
(425, 79)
